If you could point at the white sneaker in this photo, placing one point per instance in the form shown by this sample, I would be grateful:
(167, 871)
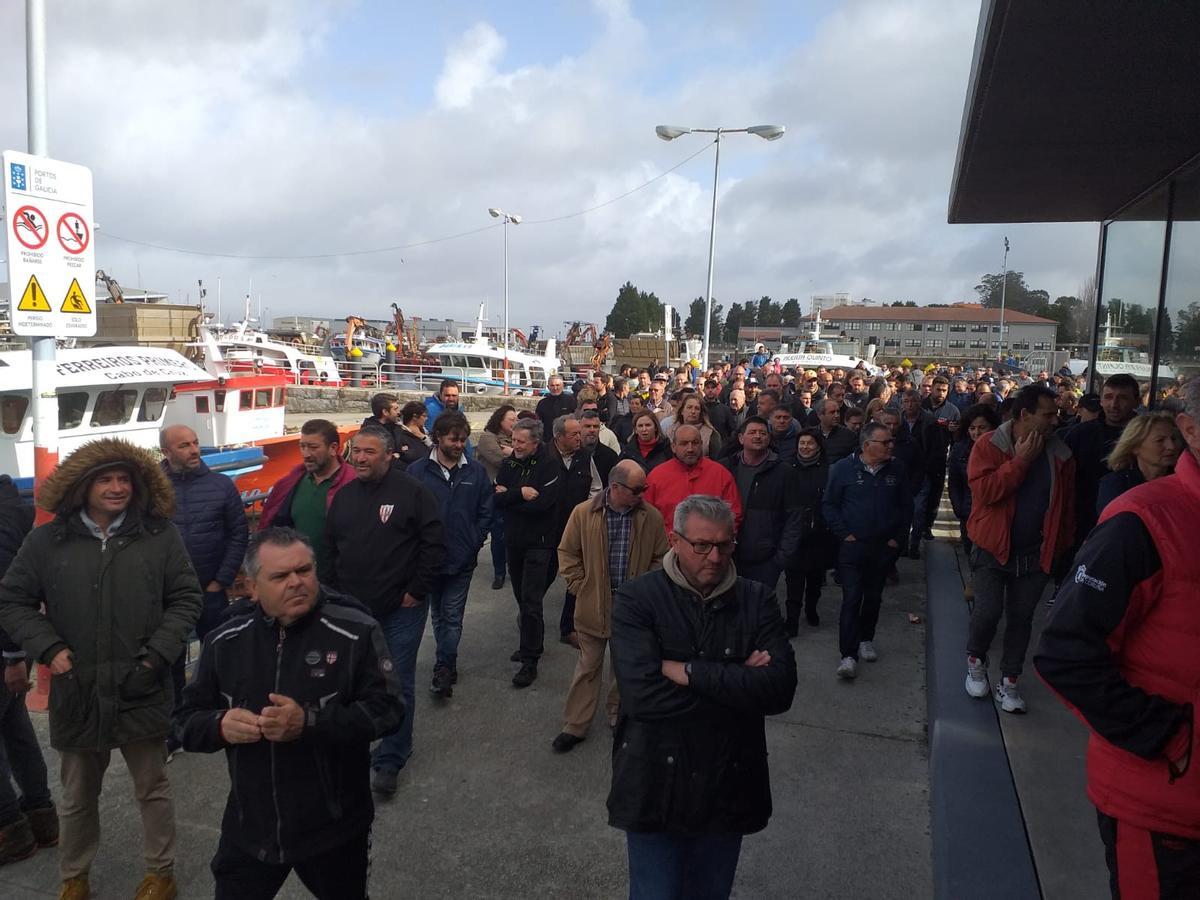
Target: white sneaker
(866, 651)
(847, 668)
(977, 683)
(1009, 697)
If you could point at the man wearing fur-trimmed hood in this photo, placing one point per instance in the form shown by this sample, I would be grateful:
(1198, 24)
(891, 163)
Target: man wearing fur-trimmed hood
(120, 599)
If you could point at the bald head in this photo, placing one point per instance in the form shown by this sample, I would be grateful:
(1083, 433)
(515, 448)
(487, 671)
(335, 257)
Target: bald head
(686, 443)
(180, 447)
(629, 472)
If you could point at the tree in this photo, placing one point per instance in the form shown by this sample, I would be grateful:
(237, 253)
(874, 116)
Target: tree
(789, 316)
(1017, 294)
(1066, 312)
(904, 303)
(695, 319)
(1187, 332)
(634, 311)
(770, 313)
(733, 323)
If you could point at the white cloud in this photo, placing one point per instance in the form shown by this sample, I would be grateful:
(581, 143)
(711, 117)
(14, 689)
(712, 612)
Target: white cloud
(470, 66)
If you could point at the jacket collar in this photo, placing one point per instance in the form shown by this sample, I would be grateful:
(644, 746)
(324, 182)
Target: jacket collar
(1002, 439)
(199, 471)
(670, 566)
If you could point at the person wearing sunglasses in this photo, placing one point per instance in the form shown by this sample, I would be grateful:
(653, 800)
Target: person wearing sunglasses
(869, 507)
(701, 659)
(610, 539)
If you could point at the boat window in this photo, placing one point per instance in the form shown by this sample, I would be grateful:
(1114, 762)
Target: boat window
(153, 402)
(262, 398)
(12, 412)
(219, 395)
(278, 401)
(475, 362)
(246, 401)
(70, 409)
(202, 404)
(113, 408)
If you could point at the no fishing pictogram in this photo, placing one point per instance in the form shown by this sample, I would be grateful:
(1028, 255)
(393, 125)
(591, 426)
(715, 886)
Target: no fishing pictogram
(29, 226)
(73, 233)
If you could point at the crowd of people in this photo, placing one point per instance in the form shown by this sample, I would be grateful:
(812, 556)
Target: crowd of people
(672, 503)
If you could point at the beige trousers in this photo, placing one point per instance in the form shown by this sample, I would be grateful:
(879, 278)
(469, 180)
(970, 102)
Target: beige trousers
(586, 686)
(82, 775)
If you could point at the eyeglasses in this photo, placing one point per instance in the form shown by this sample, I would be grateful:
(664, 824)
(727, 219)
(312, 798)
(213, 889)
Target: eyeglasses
(703, 548)
(636, 491)
(889, 441)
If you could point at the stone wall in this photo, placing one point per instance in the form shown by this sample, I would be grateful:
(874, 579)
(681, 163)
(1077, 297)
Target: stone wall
(358, 400)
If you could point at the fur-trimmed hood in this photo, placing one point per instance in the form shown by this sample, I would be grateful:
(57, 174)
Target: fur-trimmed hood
(64, 491)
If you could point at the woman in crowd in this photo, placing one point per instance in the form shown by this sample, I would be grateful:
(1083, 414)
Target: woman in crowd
(495, 446)
(647, 446)
(806, 572)
(693, 412)
(977, 421)
(412, 443)
(1147, 449)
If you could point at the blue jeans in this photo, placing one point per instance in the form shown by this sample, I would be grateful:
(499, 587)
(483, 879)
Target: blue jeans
(402, 630)
(20, 759)
(447, 603)
(499, 549)
(674, 867)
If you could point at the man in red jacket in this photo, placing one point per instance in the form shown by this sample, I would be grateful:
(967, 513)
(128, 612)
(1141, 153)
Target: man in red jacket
(1022, 480)
(1120, 649)
(690, 472)
(301, 498)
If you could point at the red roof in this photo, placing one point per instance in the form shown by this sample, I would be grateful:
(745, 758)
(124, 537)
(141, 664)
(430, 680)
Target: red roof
(968, 313)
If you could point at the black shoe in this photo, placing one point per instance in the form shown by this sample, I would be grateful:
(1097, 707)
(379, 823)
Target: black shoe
(17, 841)
(44, 823)
(497, 582)
(810, 615)
(914, 550)
(516, 656)
(442, 685)
(791, 629)
(526, 676)
(927, 534)
(565, 743)
(454, 676)
(384, 781)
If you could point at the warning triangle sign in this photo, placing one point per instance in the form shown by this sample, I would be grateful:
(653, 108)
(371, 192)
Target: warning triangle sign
(34, 298)
(75, 301)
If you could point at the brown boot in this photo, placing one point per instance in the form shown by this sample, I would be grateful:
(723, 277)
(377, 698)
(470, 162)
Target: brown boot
(156, 886)
(75, 889)
(45, 825)
(16, 842)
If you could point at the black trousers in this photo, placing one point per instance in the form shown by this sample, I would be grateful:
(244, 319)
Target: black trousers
(338, 874)
(803, 592)
(933, 500)
(532, 570)
(1145, 864)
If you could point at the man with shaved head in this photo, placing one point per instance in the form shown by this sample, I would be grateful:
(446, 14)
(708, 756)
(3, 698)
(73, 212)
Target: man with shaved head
(690, 472)
(211, 520)
(609, 539)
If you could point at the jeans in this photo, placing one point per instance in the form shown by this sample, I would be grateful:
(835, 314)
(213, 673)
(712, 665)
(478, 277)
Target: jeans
(920, 502)
(402, 629)
(446, 606)
(499, 549)
(862, 566)
(21, 760)
(532, 570)
(337, 874)
(1013, 589)
(935, 483)
(676, 867)
(803, 592)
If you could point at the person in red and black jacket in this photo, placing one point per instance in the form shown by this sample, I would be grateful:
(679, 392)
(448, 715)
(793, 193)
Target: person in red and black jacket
(1120, 649)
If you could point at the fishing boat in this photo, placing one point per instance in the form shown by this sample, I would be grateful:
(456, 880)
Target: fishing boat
(817, 351)
(244, 349)
(1114, 357)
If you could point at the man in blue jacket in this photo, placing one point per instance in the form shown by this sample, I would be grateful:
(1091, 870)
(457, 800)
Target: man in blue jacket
(869, 507)
(464, 490)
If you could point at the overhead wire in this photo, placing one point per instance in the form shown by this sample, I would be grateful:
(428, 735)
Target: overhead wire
(392, 249)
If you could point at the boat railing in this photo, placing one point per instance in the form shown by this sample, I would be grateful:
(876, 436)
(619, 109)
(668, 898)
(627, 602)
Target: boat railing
(400, 376)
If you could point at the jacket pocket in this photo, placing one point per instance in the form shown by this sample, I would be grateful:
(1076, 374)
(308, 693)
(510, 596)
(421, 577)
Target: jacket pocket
(642, 786)
(66, 697)
(141, 686)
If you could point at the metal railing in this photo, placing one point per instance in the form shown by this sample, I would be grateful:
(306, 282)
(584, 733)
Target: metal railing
(418, 377)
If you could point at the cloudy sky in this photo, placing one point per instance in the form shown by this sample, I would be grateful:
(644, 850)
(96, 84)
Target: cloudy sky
(294, 131)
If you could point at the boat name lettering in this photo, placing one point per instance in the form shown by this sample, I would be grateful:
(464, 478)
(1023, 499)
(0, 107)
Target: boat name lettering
(168, 365)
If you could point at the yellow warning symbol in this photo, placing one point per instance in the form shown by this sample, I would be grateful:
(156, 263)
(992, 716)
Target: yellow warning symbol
(34, 298)
(75, 301)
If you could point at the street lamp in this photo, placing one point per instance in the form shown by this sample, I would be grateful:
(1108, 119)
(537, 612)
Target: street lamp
(669, 133)
(1003, 290)
(515, 220)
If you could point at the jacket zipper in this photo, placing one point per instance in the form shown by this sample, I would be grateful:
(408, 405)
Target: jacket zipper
(274, 779)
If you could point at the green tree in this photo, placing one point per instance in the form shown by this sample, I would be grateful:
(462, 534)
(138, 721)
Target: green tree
(1017, 294)
(733, 322)
(903, 303)
(1187, 331)
(770, 313)
(695, 320)
(790, 315)
(634, 311)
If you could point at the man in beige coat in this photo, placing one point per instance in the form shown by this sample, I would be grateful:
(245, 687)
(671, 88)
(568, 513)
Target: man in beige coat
(609, 539)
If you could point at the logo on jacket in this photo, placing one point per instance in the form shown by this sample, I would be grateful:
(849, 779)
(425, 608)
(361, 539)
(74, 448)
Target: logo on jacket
(331, 657)
(385, 512)
(1082, 577)
(312, 657)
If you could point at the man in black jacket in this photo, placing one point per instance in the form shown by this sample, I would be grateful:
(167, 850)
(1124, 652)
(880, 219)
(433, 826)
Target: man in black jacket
(385, 544)
(718, 413)
(527, 488)
(772, 520)
(839, 441)
(294, 693)
(1091, 442)
(700, 658)
(556, 403)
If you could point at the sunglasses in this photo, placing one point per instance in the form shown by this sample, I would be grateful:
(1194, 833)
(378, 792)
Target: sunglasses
(637, 491)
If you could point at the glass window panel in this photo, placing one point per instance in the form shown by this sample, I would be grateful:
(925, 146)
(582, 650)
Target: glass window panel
(70, 409)
(202, 404)
(262, 398)
(113, 407)
(153, 402)
(1179, 346)
(12, 412)
(246, 400)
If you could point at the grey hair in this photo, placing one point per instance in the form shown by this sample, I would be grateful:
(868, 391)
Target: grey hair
(1191, 398)
(560, 424)
(382, 435)
(533, 426)
(276, 536)
(706, 506)
(869, 431)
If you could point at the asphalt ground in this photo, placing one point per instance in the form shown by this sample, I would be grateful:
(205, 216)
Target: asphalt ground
(486, 810)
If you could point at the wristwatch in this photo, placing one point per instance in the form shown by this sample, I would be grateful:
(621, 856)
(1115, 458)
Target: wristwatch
(687, 669)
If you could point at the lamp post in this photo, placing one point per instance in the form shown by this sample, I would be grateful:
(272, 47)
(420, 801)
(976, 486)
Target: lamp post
(1003, 288)
(669, 133)
(515, 220)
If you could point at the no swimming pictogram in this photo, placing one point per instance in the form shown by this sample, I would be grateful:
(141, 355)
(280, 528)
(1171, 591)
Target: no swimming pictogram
(73, 233)
(29, 226)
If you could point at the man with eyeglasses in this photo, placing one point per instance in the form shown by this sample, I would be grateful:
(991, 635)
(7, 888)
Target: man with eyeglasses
(701, 658)
(869, 507)
(610, 539)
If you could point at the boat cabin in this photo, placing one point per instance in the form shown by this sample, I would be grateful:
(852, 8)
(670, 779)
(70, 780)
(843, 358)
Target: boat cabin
(228, 411)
